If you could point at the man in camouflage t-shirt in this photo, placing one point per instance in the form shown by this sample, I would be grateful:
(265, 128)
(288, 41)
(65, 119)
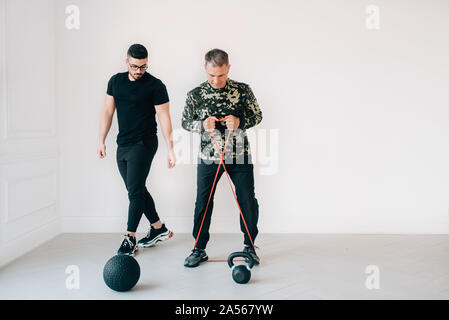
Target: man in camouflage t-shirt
(216, 99)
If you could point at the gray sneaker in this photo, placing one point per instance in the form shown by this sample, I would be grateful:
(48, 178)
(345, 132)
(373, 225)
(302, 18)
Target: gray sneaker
(196, 257)
(250, 250)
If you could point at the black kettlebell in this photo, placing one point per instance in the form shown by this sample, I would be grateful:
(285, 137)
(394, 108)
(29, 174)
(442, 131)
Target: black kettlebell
(241, 273)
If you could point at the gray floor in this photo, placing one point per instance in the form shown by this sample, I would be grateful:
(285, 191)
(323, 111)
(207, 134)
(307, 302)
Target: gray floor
(293, 266)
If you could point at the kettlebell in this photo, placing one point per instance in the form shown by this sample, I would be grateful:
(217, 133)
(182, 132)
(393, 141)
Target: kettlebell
(241, 273)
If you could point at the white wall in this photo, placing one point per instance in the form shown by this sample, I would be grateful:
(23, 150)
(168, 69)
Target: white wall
(362, 115)
(28, 136)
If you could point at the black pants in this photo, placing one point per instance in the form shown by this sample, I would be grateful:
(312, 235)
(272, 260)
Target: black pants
(242, 176)
(134, 164)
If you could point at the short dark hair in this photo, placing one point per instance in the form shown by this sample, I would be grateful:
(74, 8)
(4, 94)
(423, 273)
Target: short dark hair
(217, 57)
(137, 51)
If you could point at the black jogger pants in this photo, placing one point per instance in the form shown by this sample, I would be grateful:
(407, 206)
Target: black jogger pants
(242, 176)
(134, 164)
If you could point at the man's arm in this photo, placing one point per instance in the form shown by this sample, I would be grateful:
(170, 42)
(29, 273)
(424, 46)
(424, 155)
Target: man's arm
(252, 114)
(106, 115)
(190, 120)
(163, 114)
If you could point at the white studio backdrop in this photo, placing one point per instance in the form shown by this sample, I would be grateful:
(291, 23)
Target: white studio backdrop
(361, 115)
(354, 96)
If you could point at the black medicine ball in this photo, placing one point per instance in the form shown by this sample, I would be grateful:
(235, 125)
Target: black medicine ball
(121, 272)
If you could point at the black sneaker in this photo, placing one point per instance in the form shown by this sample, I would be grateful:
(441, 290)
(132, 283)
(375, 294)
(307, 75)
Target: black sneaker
(128, 246)
(250, 250)
(154, 236)
(196, 257)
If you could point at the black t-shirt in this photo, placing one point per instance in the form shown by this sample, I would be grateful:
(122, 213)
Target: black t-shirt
(135, 101)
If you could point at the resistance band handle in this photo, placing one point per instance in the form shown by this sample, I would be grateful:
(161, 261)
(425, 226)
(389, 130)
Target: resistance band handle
(223, 119)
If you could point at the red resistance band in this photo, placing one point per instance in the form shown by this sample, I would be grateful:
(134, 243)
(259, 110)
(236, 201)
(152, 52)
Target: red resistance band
(230, 184)
(224, 260)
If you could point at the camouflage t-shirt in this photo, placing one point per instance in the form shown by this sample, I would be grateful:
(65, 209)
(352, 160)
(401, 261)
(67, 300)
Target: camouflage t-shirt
(236, 99)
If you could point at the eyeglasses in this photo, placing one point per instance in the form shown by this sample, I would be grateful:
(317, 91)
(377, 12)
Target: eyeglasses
(141, 68)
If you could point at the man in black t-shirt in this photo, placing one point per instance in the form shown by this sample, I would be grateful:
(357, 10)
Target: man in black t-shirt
(138, 97)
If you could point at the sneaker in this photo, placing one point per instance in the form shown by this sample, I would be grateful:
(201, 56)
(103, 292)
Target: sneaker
(250, 250)
(154, 236)
(128, 246)
(196, 257)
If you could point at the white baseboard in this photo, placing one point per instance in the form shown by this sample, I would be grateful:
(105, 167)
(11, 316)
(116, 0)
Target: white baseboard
(274, 224)
(109, 224)
(29, 241)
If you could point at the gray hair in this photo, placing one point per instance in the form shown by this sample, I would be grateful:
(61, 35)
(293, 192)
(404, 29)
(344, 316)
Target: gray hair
(217, 57)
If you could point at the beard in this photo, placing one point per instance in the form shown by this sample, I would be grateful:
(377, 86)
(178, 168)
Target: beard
(136, 76)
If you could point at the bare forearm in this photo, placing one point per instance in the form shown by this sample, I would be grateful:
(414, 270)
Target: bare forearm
(105, 125)
(167, 129)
